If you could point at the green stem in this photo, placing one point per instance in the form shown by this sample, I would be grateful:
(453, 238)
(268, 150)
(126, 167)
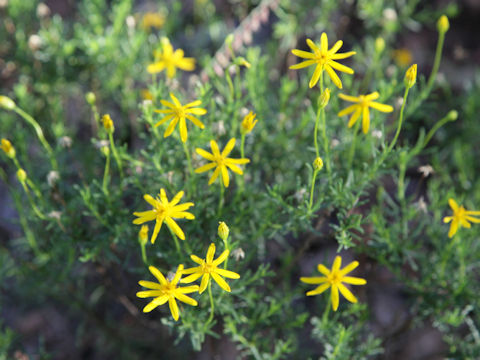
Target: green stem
(144, 254)
(189, 160)
(177, 245)
(315, 132)
(437, 126)
(227, 247)
(38, 130)
(312, 189)
(326, 145)
(212, 304)
(32, 203)
(106, 173)
(220, 199)
(433, 75)
(400, 120)
(353, 145)
(115, 154)
(327, 311)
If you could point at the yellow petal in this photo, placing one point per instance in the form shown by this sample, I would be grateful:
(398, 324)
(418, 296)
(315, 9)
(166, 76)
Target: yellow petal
(350, 267)
(335, 47)
(227, 273)
(348, 110)
(354, 280)
(347, 293)
(335, 298)
(149, 293)
(206, 167)
(302, 65)
(453, 228)
(318, 290)
(214, 175)
(210, 253)
(221, 258)
(313, 280)
(186, 299)
(333, 76)
(323, 269)
(453, 204)
(205, 154)
(183, 130)
(150, 284)
(337, 263)
(340, 67)
(366, 120)
(173, 308)
(225, 177)
(220, 281)
(175, 228)
(354, 117)
(303, 54)
(157, 273)
(315, 76)
(204, 283)
(381, 107)
(324, 42)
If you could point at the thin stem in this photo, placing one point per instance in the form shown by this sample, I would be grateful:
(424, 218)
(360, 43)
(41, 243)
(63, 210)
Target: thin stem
(144, 254)
(38, 130)
(327, 310)
(435, 127)
(220, 199)
(115, 154)
(177, 245)
(312, 189)
(400, 120)
(353, 144)
(326, 145)
(106, 173)
(189, 160)
(227, 247)
(32, 203)
(433, 75)
(315, 132)
(212, 304)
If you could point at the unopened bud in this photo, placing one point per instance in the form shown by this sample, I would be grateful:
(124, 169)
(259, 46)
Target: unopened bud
(443, 24)
(8, 148)
(411, 76)
(91, 98)
(105, 150)
(7, 103)
(21, 175)
(324, 98)
(452, 115)
(318, 164)
(143, 235)
(108, 123)
(223, 231)
(229, 40)
(242, 62)
(379, 45)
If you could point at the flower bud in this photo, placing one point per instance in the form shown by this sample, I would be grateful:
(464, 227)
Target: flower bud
(105, 150)
(91, 98)
(248, 122)
(143, 235)
(223, 231)
(242, 62)
(452, 115)
(108, 123)
(21, 175)
(8, 148)
(443, 24)
(229, 40)
(324, 98)
(379, 45)
(411, 76)
(318, 164)
(6, 103)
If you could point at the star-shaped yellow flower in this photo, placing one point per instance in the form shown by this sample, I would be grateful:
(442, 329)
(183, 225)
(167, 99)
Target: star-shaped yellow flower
(178, 113)
(163, 210)
(165, 290)
(361, 107)
(460, 217)
(324, 59)
(334, 279)
(220, 161)
(209, 268)
(170, 60)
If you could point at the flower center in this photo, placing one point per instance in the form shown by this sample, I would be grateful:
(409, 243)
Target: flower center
(219, 159)
(334, 277)
(460, 213)
(168, 289)
(321, 57)
(208, 268)
(363, 101)
(179, 112)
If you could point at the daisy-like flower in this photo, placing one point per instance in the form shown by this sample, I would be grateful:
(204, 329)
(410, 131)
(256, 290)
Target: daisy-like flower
(461, 217)
(361, 107)
(334, 279)
(163, 210)
(324, 59)
(209, 268)
(170, 60)
(178, 113)
(220, 161)
(165, 290)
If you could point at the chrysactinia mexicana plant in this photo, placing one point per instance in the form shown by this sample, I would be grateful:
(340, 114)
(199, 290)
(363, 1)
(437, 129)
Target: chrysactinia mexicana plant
(312, 185)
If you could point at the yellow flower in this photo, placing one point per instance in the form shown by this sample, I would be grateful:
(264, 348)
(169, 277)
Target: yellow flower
(361, 107)
(334, 279)
(108, 123)
(208, 268)
(163, 210)
(170, 60)
(249, 122)
(403, 57)
(220, 161)
(177, 113)
(165, 290)
(146, 94)
(8, 148)
(411, 76)
(460, 217)
(324, 60)
(152, 20)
